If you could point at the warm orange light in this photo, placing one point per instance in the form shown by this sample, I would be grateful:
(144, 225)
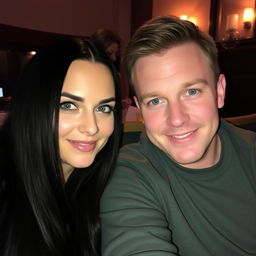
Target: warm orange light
(32, 52)
(184, 17)
(193, 20)
(248, 14)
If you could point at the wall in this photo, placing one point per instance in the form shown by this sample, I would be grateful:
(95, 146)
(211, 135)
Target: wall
(195, 8)
(77, 17)
(238, 65)
(141, 11)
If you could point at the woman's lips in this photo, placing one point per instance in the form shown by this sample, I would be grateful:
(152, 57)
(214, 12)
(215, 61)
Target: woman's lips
(84, 146)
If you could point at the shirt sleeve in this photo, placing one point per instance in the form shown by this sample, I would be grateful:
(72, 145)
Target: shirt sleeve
(133, 221)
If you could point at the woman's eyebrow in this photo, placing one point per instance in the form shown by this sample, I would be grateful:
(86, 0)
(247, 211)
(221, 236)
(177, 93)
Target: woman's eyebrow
(72, 96)
(78, 98)
(107, 100)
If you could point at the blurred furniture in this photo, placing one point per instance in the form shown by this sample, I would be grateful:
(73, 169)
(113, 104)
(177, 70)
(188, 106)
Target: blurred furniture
(16, 47)
(132, 114)
(244, 121)
(131, 132)
(135, 126)
(5, 103)
(3, 116)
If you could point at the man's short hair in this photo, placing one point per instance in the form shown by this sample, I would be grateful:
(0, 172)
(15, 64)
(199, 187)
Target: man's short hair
(162, 33)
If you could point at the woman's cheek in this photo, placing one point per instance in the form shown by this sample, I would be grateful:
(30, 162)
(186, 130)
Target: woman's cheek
(65, 124)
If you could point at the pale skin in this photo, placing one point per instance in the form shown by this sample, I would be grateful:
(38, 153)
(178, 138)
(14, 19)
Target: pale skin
(86, 118)
(179, 100)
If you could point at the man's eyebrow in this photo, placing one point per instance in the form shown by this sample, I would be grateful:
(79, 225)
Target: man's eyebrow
(195, 81)
(72, 96)
(185, 85)
(78, 98)
(148, 95)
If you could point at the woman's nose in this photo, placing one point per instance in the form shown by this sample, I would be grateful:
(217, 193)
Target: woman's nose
(88, 124)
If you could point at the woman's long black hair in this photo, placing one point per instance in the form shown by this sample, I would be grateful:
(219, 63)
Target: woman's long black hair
(39, 213)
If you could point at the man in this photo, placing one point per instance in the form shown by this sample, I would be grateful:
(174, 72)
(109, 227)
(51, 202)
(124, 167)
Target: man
(188, 187)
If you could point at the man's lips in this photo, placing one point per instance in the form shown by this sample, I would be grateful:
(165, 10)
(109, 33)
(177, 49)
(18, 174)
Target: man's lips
(84, 146)
(182, 136)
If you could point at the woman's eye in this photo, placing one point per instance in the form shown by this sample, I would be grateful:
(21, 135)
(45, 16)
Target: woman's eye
(68, 106)
(192, 92)
(104, 109)
(154, 101)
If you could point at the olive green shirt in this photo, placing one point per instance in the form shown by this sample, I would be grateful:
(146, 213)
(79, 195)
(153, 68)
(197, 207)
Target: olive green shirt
(154, 207)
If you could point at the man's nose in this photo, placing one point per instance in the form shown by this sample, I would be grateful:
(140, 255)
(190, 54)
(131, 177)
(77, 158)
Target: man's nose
(177, 114)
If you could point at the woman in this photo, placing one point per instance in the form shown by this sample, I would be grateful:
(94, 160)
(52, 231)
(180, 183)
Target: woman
(58, 148)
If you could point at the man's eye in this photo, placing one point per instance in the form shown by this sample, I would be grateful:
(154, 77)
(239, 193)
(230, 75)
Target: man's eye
(155, 101)
(104, 109)
(68, 106)
(192, 92)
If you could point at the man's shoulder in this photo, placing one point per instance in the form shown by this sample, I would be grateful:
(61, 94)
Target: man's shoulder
(141, 158)
(140, 162)
(135, 151)
(240, 135)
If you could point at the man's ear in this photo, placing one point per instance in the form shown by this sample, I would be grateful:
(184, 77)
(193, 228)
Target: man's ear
(136, 102)
(221, 90)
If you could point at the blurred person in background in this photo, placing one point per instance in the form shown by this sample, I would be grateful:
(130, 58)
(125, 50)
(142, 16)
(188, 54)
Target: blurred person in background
(110, 43)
